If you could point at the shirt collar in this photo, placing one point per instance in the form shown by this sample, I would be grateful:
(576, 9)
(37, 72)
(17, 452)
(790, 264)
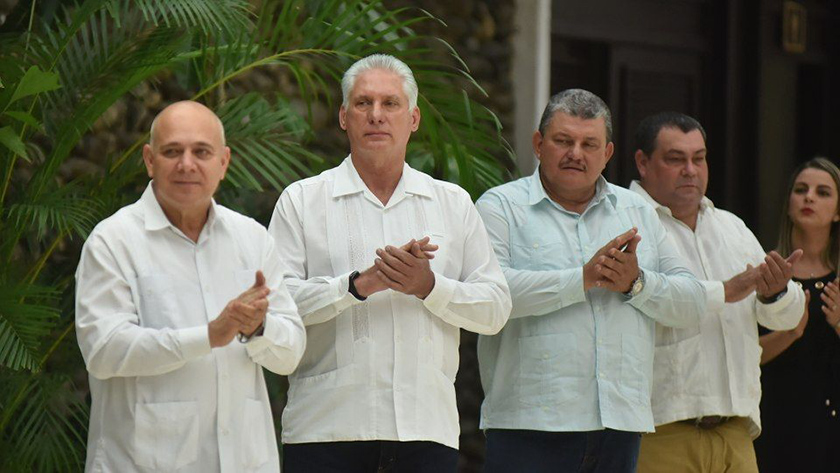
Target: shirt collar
(349, 182)
(635, 186)
(154, 217)
(536, 191)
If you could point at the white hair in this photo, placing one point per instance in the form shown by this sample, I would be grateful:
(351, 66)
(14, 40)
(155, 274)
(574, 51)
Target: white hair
(154, 122)
(380, 61)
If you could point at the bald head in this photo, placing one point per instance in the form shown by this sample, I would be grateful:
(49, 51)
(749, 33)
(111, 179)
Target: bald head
(186, 159)
(181, 110)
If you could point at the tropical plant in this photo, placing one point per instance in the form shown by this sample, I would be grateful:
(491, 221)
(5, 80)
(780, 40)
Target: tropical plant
(63, 68)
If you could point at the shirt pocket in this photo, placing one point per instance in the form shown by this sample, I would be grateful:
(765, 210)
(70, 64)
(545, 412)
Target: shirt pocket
(540, 253)
(158, 307)
(255, 434)
(679, 369)
(636, 366)
(165, 435)
(549, 374)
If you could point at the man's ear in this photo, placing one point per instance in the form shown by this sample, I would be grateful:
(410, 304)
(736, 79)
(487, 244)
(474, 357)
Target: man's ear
(342, 118)
(609, 150)
(225, 161)
(148, 160)
(537, 140)
(415, 119)
(641, 162)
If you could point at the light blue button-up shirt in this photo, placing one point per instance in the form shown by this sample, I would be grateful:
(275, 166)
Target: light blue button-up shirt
(570, 360)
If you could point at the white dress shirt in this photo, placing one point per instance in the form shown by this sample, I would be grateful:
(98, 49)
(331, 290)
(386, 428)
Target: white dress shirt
(162, 400)
(569, 359)
(713, 368)
(382, 369)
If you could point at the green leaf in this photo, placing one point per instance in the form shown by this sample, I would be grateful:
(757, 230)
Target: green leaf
(27, 313)
(62, 210)
(34, 82)
(25, 118)
(11, 140)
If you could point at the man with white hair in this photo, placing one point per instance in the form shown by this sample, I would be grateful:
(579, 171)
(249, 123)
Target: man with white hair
(163, 288)
(386, 265)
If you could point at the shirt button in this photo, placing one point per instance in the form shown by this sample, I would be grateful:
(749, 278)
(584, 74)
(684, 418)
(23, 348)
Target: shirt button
(225, 376)
(545, 356)
(225, 431)
(536, 245)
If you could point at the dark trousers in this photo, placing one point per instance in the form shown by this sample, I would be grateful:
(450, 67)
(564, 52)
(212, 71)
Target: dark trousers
(369, 457)
(533, 451)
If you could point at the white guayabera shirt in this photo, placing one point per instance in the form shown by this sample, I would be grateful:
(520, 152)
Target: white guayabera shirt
(712, 368)
(162, 399)
(382, 369)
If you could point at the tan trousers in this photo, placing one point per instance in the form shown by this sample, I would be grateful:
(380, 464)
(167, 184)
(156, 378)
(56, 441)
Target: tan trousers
(680, 447)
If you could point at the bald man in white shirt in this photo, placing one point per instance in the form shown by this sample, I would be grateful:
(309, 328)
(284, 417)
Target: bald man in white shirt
(164, 289)
(706, 388)
(386, 265)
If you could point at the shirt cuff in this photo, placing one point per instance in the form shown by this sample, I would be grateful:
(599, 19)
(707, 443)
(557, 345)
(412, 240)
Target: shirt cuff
(715, 296)
(341, 286)
(261, 342)
(786, 300)
(571, 290)
(193, 342)
(441, 294)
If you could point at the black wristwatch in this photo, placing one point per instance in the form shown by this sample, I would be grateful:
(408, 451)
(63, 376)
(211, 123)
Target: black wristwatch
(352, 286)
(773, 298)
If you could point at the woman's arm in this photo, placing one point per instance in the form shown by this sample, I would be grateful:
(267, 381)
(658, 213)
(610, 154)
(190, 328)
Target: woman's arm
(774, 343)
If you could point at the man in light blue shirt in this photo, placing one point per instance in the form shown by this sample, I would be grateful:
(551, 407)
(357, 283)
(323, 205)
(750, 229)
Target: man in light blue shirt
(590, 269)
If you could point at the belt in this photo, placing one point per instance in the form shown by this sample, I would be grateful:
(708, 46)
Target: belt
(708, 422)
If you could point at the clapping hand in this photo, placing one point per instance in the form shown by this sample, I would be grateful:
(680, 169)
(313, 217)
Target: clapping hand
(614, 266)
(244, 314)
(774, 273)
(406, 271)
(831, 303)
(371, 280)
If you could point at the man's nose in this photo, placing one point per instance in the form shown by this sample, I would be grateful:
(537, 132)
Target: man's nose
(375, 114)
(575, 151)
(187, 162)
(690, 169)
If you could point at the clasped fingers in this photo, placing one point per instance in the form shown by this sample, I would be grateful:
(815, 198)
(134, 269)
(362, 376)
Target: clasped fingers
(404, 272)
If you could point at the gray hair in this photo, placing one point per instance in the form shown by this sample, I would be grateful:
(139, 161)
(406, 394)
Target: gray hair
(577, 103)
(380, 61)
(154, 122)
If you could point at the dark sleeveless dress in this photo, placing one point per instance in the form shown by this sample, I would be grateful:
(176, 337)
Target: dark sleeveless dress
(800, 399)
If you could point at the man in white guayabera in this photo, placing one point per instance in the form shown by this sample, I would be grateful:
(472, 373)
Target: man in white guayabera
(386, 265)
(180, 303)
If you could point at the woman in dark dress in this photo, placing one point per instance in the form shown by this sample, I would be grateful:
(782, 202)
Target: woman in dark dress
(800, 405)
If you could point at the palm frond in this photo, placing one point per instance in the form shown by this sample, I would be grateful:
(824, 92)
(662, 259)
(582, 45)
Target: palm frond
(265, 140)
(27, 314)
(63, 210)
(228, 16)
(49, 427)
